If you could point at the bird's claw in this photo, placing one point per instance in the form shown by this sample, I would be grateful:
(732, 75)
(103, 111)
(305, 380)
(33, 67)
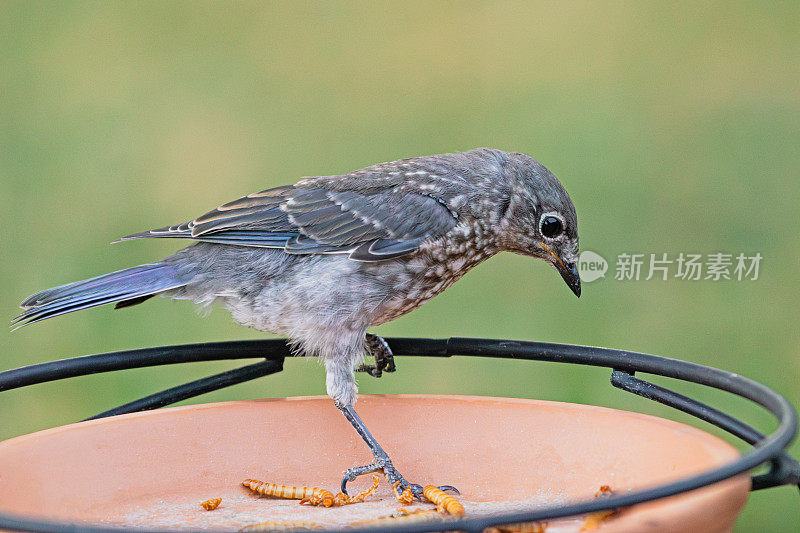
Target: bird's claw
(451, 488)
(384, 358)
(392, 475)
(372, 370)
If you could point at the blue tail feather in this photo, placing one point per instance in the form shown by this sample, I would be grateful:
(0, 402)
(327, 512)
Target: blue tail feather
(128, 284)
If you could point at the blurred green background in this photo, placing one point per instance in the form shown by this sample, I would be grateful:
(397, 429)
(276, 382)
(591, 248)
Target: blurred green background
(673, 126)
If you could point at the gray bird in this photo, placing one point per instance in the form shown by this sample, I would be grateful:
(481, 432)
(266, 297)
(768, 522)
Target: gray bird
(324, 259)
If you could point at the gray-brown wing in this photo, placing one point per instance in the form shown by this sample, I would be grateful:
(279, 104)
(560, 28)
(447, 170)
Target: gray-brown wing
(303, 220)
(253, 220)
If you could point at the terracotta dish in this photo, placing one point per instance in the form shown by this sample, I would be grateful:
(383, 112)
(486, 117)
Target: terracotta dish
(153, 469)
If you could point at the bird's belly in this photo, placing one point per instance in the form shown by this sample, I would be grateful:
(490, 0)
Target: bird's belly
(328, 294)
(287, 295)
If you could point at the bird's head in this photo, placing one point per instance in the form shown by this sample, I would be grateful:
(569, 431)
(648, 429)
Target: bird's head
(538, 218)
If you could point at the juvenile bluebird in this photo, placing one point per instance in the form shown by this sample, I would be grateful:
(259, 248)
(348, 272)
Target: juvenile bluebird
(324, 259)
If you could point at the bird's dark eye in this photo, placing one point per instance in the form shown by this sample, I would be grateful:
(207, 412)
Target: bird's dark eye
(552, 227)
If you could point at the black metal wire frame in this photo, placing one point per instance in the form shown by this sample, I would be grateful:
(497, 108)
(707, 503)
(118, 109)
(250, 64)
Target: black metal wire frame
(784, 470)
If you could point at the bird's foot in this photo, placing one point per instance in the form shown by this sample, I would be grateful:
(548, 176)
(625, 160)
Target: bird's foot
(404, 491)
(384, 358)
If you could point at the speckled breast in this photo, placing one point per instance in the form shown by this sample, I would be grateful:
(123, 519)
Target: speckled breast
(433, 269)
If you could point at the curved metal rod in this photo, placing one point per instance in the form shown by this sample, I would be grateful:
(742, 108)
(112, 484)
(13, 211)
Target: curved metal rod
(196, 388)
(274, 349)
(785, 469)
(766, 449)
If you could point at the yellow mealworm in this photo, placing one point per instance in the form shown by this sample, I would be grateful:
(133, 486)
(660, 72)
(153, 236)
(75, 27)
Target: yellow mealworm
(593, 520)
(361, 496)
(604, 492)
(525, 527)
(444, 503)
(280, 526)
(210, 505)
(406, 498)
(311, 494)
(402, 516)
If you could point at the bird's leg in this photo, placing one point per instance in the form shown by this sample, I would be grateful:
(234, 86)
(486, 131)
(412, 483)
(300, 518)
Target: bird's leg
(384, 359)
(383, 462)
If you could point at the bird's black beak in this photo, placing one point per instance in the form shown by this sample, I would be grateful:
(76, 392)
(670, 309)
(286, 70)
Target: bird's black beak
(569, 272)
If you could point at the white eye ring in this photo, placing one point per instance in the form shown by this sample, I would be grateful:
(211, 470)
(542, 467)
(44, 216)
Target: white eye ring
(559, 227)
